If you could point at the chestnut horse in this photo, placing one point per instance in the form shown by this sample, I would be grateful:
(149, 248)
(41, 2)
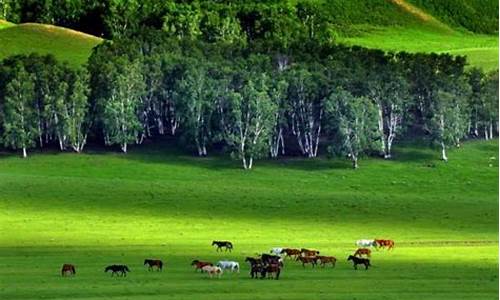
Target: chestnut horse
(326, 259)
(385, 243)
(313, 260)
(289, 252)
(307, 252)
(68, 268)
(198, 265)
(363, 251)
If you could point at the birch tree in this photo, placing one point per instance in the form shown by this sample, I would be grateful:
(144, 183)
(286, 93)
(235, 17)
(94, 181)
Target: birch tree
(77, 108)
(20, 127)
(195, 100)
(306, 110)
(120, 120)
(253, 114)
(278, 97)
(390, 93)
(449, 123)
(355, 120)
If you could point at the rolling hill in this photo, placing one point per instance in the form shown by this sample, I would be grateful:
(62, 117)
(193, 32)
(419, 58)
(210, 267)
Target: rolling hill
(457, 27)
(65, 44)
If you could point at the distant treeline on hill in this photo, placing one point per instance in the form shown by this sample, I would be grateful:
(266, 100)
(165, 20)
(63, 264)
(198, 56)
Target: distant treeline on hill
(251, 100)
(243, 19)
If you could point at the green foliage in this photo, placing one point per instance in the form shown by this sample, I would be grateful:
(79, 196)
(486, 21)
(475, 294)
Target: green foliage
(18, 115)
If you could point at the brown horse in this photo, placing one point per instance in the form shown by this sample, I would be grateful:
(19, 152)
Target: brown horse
(289, 252)
(307, 252)
(313, 260)
(154, 263)
(389, 244)
(363, 251)
(198, 265)
(271, 270)
(326, 259)
(68, 268)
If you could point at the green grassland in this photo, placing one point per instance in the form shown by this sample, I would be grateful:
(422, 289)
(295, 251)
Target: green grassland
(100, 208)
(66, 45)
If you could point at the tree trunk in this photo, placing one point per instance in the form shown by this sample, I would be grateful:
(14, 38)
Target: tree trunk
(354, 162)
(381, 129)
(443, 152)
(250, 163)
(24, 152)
(124, 147)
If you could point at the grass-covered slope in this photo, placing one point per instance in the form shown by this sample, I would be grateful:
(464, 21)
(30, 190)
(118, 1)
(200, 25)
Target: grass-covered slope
(422, 31)
(66, 45)
(97, 208)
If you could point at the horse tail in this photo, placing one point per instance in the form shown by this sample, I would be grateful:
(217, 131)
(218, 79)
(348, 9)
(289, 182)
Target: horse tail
(73, 269)
(160, 264)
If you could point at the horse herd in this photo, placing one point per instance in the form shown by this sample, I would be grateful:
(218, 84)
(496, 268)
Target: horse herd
(262, 266)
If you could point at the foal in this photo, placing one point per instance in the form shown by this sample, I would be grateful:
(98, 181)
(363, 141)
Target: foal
(359, 261)
(363, 251)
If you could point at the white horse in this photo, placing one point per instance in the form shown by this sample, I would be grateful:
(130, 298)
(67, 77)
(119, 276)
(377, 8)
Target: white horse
(212, 270)
(365, 243)
(276, 251)
(232, 266)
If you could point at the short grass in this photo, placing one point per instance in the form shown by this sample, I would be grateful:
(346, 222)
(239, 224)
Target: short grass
(100, 208)
(481, 50)
(66, 45)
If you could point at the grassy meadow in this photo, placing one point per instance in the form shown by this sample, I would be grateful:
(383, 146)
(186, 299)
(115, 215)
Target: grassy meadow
(100, 208)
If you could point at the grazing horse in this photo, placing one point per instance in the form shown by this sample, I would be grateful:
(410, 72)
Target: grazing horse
(307, 252)
(359, 261)
(313, 260)
(385, 243)
(68, 269)
(123, 269)
(212, 270)
(223, 244)
(271, 270)
(326, 259)
(292, 253)
(363, 251)
(154, 263)
(232, 266)
(366, 243)
(198, 265)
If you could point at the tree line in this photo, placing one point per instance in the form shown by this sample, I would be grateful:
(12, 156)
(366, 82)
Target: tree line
(249, 100)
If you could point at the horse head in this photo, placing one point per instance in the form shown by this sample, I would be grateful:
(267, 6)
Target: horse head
(214, 243)
(194, 262)
(146, 261)
(126, 268)
(350, 257)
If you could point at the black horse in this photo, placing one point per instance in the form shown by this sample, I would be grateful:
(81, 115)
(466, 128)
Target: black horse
(359, 261)
(154, 263)
(223, 244)
(256, 266)
(271, 259)
(115, 269)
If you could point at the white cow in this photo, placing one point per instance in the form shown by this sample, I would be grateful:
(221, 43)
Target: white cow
(232, 266)
(365, 243)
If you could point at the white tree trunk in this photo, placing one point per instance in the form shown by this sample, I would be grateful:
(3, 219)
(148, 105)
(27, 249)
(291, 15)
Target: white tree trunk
(443, 152)
(24, 152)
(381, 130)
(124, 147)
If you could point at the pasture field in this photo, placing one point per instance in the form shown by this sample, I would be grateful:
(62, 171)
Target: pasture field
(101, 208)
